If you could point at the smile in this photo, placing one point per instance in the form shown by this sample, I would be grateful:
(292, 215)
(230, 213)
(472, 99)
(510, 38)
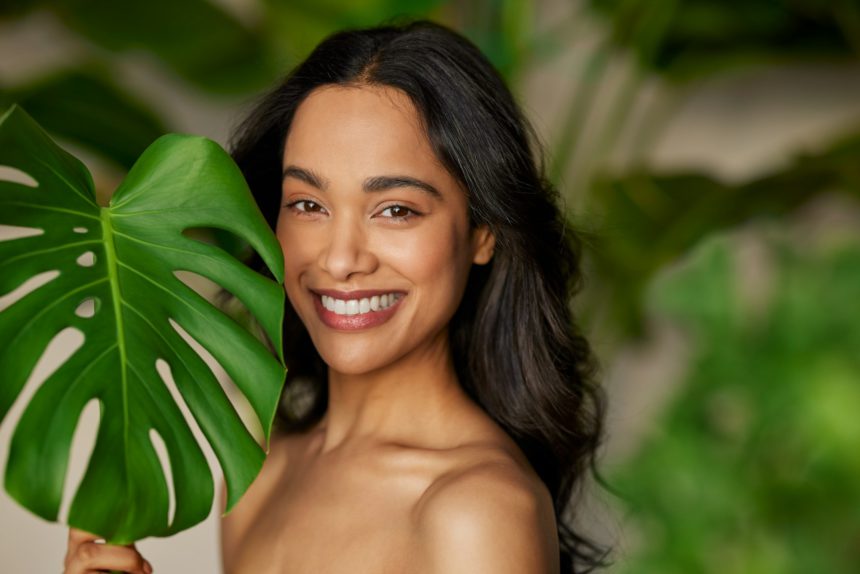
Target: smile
(356, 310)
(358, 306)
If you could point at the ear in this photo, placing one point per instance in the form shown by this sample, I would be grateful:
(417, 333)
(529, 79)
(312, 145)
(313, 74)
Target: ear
(483, 244)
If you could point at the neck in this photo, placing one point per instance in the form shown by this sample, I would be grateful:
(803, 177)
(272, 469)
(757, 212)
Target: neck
(402, 403)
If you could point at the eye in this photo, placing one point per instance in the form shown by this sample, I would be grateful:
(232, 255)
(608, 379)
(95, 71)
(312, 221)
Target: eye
(398, 212)
(306, 206)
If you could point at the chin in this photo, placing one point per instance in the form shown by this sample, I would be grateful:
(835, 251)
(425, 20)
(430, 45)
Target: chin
(352, 367)
(354, 359)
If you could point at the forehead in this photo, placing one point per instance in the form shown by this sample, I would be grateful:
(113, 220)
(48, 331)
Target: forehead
(362, 131)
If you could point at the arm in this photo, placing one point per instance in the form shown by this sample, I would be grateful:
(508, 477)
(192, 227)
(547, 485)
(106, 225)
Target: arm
(491, 519)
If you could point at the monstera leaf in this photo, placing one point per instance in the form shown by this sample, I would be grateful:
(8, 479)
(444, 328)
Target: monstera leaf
(122, 261)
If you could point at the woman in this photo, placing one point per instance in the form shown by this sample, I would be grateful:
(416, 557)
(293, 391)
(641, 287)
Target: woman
(440, 408)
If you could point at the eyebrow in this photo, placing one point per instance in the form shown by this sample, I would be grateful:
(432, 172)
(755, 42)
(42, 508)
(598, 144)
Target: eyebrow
(305, 175)
(371, 184)
(384, 182)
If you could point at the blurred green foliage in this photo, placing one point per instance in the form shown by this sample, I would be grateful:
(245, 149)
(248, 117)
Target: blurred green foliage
(86, 106)
(753, 471)
(685, 39)
(755, 465)
(194, 38)
(199, 42)
(649, 219)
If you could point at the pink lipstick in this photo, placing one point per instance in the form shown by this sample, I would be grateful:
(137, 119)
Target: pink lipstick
(356, 310)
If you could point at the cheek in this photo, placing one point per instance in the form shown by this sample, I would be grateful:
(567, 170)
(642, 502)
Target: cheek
(435, 258)
(297, 254)
(296, 242)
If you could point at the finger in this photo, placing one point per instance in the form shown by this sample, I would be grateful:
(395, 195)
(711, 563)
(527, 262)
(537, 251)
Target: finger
(76, 538)
(92, 556)
(147, 567)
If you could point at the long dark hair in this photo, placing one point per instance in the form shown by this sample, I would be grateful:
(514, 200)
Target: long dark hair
(516, 349)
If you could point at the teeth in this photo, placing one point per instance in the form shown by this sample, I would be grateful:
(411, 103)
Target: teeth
(359, 306)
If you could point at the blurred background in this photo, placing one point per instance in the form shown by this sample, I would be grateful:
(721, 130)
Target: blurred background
(708, 151)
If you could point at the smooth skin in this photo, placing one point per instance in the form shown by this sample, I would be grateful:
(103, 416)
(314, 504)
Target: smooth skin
(404, 473)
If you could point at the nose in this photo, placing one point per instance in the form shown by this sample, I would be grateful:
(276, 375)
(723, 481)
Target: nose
(347, 252)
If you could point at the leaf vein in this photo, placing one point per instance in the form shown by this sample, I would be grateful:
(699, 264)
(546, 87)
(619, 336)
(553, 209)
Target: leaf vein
(47, 308)
(172, 348)
(168, 247)
(50, 208)
(60, 176)
(163, 288)
(49, 250)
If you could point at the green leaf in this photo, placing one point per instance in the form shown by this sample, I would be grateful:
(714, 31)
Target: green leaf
(709, 36)
(180, 182)
(195, 38)
(761, 433)
(649, 220)
(85, 106)
(295, 27)
(18, 7)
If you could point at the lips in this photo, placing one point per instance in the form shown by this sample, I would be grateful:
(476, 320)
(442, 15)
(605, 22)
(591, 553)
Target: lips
(357, 306)
(356, 310)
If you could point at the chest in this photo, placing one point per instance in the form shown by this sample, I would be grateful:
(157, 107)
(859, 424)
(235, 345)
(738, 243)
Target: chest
(325, 521)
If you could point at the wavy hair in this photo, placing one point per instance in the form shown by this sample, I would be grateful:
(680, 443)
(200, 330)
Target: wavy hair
(516, 348)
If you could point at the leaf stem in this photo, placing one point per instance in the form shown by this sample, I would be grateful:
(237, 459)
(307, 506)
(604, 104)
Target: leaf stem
(116, 299)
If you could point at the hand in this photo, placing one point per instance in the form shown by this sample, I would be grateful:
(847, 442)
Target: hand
(86, 556)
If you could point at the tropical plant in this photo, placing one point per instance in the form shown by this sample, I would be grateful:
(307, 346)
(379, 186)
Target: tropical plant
(110, 275)
(648, 220)
(221, 56)
(752, 466)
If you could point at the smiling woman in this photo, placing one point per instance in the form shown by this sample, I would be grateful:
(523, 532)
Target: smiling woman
(365, 226)
(440, 409)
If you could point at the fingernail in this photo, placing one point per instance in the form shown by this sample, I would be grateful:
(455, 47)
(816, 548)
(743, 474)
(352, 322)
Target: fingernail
(147, 567)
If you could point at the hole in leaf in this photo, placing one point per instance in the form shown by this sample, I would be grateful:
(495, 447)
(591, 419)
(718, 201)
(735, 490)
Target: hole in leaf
(88, 307)
(83, 444)
(58, 350)
(15, 175)
(240, 403)
(225, 301)
(164, 459)
(10, 232)
(164, 371)
(87, 259)
(27, 287)
(203, 286)
(80, 229)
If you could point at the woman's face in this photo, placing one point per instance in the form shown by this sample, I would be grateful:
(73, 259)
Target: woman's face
(375, 232)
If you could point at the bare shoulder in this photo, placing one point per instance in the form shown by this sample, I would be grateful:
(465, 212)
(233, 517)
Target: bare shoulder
(492, 515)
